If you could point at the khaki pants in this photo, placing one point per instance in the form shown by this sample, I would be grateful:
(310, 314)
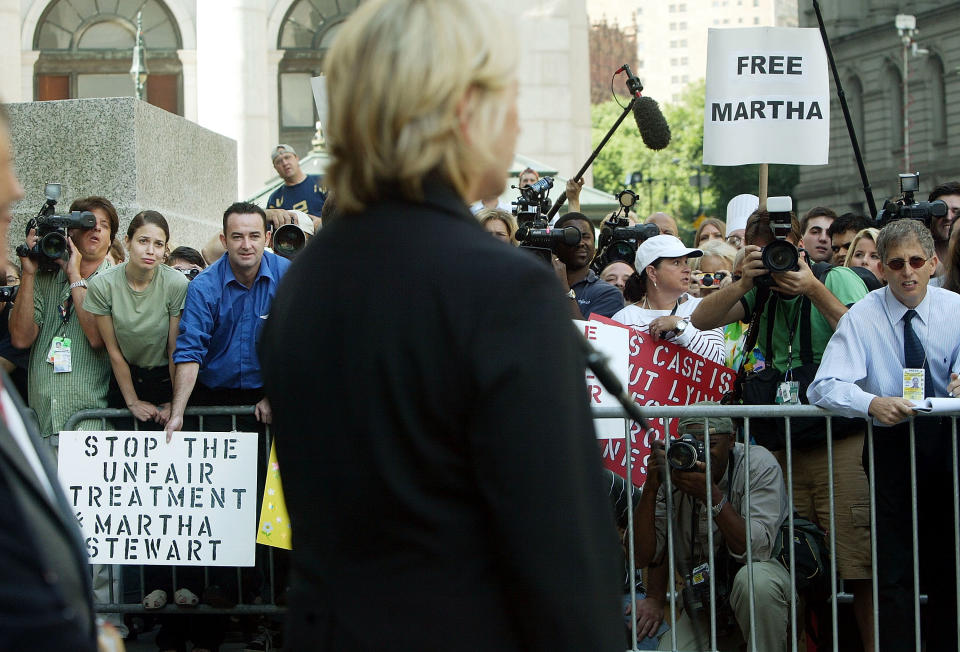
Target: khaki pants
(771, 582)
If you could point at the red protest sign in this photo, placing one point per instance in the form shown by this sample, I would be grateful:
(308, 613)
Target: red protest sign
(660, 373)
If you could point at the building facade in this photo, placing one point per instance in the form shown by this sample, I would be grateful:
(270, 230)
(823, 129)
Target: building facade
(869, 57)
(242, 68)
(672, 34)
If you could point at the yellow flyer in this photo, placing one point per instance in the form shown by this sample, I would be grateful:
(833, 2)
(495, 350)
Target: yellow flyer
(274, 527)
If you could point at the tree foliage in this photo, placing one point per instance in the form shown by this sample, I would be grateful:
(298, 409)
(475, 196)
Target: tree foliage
(667, 174)
(610, 48)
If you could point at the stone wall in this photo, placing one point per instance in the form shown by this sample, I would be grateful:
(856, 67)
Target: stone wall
(134, 154)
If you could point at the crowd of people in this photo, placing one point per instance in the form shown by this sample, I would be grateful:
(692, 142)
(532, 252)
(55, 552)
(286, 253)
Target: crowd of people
(445, 488)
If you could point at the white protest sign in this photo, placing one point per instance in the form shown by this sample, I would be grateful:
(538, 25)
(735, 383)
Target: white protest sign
(140, 500)
(767, 98)
(614, 343)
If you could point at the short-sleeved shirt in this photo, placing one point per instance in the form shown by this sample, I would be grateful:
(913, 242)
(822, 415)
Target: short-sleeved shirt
(594, 295)
(141, 319)
(305, 196)
(842, 282)
(222, 320)
(55, 397)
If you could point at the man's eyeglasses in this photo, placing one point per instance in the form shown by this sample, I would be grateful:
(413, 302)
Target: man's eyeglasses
(916, 262)
(734, 240)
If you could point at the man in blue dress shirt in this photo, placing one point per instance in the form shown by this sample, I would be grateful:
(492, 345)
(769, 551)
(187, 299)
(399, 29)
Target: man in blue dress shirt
(899, 333)
(226, 308)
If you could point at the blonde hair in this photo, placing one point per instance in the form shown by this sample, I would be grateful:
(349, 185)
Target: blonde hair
(869, 234)
(717, 248)
(490, 214)
(401, 75)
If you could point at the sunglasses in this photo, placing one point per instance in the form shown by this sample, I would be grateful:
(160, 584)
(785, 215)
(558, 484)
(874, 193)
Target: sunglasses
(707, 279)
(916, 262)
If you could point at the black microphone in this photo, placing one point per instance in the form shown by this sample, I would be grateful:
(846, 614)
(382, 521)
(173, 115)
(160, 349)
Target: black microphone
(653, 127)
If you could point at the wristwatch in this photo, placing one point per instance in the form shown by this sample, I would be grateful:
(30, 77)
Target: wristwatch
(680, 327)
(78, 284)
(571, 294)
(716, 509)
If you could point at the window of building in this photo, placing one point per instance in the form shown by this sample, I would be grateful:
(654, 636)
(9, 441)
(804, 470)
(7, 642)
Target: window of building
(673, 44)
(853, 90)
(640, 63)
(673, 27)
(673, 61)
(86, 50)
(726, 21)
(894, 102)
(683, 43)
(938, 100)
(756, 20)
(305, 36)
(681, 7)
(673, 8)
(685, 78)
(683, 26)
(756, 3)
(674, 79)
(684, 61)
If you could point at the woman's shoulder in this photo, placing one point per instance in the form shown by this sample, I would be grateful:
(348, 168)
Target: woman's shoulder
(688, 304)
(631, 315)
(107, 276)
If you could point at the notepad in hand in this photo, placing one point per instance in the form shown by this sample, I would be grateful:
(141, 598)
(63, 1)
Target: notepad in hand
(937, 405)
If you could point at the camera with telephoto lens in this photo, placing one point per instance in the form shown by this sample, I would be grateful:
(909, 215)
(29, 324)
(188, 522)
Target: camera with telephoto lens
(619, 238)
(781, 255)
(684, 453)
(53, 231)
(905, 207)
(189, 273)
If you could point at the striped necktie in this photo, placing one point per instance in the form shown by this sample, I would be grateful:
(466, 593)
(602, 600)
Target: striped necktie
(913, 354)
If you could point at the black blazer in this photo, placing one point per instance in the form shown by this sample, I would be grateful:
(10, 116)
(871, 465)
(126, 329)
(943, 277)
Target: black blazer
(45, 597)
(435, 443)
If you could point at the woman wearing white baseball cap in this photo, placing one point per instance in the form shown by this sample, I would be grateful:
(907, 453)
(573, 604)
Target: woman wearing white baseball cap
(664, 307)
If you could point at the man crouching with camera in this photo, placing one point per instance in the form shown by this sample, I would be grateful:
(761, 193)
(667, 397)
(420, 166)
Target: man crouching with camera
(723, 503)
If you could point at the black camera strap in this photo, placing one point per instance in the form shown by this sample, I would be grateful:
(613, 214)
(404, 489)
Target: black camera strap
(750, 341)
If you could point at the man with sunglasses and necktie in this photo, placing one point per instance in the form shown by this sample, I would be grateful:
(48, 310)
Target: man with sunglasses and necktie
(896, 336)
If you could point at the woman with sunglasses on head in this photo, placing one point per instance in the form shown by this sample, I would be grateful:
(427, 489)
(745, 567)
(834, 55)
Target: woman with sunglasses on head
(664, 305)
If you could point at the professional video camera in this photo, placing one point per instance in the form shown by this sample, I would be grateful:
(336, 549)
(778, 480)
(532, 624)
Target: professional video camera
(53, 231)
(684, 453)
(906, 208)
(619, 238)
(534, 232)
(781, 255)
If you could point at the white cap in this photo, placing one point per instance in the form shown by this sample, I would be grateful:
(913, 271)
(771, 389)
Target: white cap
(739, 209)
(661, 246)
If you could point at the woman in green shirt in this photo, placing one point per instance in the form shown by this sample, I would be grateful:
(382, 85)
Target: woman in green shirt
(138, 305)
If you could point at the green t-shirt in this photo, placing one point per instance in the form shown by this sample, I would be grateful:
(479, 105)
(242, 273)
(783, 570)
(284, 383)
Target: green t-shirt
(55, 397)
(141, 320)
(842, 282)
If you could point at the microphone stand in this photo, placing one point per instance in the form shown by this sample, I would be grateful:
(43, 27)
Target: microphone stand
(633, 84)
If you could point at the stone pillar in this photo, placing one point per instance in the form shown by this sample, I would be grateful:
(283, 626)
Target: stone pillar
(28, 59)
(188, 61)
(10, 85)
(273, 100)
(231, 66)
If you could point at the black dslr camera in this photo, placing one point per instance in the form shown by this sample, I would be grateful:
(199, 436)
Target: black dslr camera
(53, 231)
(781, 255)
(534, 232)
(684, 453)
(8, 293)
(619, 239)
(906, 208)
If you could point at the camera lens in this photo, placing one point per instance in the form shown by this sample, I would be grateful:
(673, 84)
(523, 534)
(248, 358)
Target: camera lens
(288, 240)
(780, 256)
(54, 245)
(682, 455)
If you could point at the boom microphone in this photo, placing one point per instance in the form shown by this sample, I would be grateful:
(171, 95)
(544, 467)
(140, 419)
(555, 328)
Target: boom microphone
(653, 127)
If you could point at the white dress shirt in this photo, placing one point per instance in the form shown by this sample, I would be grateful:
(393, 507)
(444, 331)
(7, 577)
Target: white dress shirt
(864, 358)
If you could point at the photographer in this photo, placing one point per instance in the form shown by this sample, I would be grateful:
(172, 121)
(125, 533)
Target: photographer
(783, 335)
(940, 227)
(50, 305)
(726, 500)
(587, 293)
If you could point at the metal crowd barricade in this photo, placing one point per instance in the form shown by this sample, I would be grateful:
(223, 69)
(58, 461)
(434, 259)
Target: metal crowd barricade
(786, 412)
(269, 606)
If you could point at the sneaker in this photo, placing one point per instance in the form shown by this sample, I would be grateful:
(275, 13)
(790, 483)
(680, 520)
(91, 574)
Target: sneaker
(262, 642)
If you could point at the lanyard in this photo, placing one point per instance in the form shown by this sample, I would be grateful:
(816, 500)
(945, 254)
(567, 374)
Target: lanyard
(793, 331)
